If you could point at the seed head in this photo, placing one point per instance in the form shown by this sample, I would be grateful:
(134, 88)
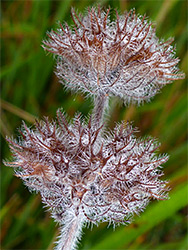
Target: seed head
(79, 169)
(120, 58)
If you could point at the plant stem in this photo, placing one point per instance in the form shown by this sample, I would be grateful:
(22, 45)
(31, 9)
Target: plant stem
(100, 102)
(70, 233)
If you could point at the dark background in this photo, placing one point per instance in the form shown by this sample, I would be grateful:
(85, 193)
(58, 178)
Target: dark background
(30, 89)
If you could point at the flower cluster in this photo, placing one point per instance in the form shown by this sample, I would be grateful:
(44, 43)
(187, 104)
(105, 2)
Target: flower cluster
(122, 58)
(78, 167)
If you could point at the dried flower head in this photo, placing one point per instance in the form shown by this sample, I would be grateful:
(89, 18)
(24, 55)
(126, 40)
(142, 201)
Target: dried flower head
(80, 171)
(122, 58)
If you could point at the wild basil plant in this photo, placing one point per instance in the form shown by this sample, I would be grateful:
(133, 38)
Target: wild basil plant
(83, 173)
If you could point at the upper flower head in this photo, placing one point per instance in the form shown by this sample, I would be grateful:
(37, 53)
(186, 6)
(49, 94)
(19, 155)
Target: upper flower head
(78, 170)
(122, 58)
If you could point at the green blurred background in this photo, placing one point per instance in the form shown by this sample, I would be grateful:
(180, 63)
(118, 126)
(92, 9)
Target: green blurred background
(30, 89)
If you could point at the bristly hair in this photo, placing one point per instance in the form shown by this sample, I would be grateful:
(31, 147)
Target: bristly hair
(121, 58)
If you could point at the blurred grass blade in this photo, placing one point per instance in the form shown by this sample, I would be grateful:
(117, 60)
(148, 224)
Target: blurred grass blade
(165, 8)
(17, 111)
(5, 127)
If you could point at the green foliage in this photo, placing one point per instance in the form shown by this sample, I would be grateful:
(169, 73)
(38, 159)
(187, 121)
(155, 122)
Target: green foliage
(30, 89)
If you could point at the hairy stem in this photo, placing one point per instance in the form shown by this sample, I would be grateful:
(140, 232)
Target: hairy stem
(100, 102)
(70, 232)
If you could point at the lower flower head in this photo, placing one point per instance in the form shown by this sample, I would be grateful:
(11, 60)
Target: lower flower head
(78, 169)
